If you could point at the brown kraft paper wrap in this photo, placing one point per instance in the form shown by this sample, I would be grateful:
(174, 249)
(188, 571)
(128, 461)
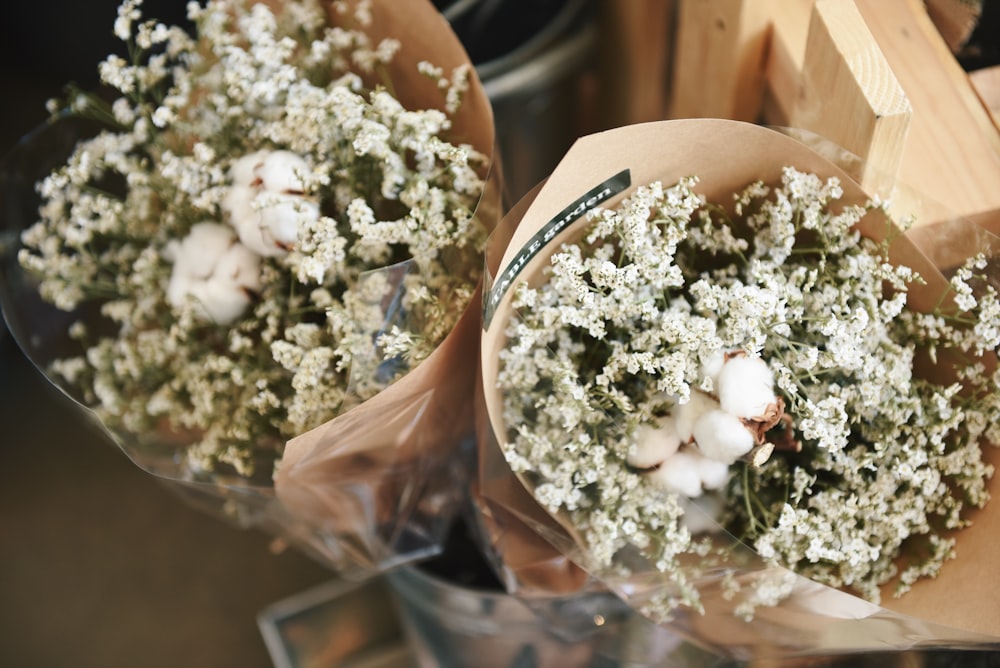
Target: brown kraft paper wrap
(374, 486)
(536, 549)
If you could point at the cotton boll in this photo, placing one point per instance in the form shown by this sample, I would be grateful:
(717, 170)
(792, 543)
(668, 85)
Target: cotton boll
(745, 386)
(196, 255)
(282, 172)
(180, 286)
(714, 474)
(281, 216)
(215, 270)
(688, 413)
(245, 219)
(265, 204)
(711, 366)
(239, 268)
(654, 444)
(722, 436)
(219, 302)
(243, 170)
(679, 474)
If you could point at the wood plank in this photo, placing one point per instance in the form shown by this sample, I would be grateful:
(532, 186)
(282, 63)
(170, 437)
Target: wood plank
(986, 83)
(952, 152)
(718, 68)
(635, 60)
(849, 94)
(783, 69)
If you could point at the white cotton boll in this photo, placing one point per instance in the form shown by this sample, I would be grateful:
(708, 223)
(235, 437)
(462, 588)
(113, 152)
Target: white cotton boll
(745, 387)
(688, 413)
(220, 303)
(264, 205)
(215, 270)
(722, 436)
(198, 253)
(654, 444)
(238, 268)
(180, 286)
(678, 474)
(714, 474)
(282, 172)
(280, 218)
(711, 367)
(253, 237)
(243, 170)
(245, 219)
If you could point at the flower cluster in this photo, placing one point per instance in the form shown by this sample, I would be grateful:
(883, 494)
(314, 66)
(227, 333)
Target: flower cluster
(272, 235)
(686, 366)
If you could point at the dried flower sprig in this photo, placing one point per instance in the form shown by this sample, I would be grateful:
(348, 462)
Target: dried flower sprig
(274, 237)
(689, 365)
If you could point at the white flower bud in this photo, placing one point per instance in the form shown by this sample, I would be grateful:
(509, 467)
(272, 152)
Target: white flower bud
(745, 386)
(688, 413)
(214, 269)
(654, 444)
(722, 436)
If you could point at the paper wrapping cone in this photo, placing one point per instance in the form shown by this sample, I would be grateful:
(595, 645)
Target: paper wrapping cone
(377, 484)
(726, 156)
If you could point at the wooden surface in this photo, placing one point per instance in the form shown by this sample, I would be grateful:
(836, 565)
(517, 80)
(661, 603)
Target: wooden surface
(875, 77)
(635, 60)
(847, 93)
(718, 67)
(952, 151)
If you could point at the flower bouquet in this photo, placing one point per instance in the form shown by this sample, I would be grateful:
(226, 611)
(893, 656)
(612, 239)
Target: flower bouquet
(720, 381)
(261, 252)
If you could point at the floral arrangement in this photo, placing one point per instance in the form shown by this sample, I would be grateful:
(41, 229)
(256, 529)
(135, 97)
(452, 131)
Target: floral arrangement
(271, 237)
(684, 365)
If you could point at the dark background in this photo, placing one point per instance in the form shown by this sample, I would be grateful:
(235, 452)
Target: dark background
(100, 564)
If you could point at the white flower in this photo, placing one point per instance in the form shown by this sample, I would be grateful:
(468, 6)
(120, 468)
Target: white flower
(745, 386)
(722, 436)
(214, 269)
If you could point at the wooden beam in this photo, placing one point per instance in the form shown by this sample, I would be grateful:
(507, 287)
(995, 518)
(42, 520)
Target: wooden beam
(718, 67)
(952, 155)
(635, 60)
(849, 95)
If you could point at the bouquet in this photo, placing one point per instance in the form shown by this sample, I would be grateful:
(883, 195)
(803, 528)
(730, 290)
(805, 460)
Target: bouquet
(735, 393)
(276, 219)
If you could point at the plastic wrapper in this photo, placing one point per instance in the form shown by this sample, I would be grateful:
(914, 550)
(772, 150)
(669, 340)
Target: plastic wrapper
(378, 483)
(543, 556)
